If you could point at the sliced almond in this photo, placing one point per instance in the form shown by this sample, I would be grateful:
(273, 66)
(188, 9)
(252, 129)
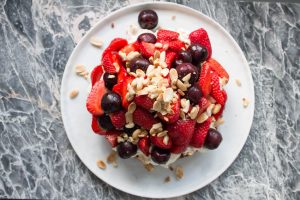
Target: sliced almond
(97, 42)
(140, 73)
(157, 125)
(181, 86)
(166, 139)
(117, 66)
(157, 106)
(149, 69)
(168, 95)
(136, 133)
(179, 172)
(163, 64)
(238, 82)
(165, 72)
(112, 157)
(162, 56)
(202, 118)
(173, 75)
(194, 112)
(129, 125)
(101, 164)
(209, 109)
(182, 114)
(128, 117)
(149, 167)
(120, 139)
(74, 93)
(129, 97)
(132, 55)
(187, 106)
(156, 56)
(180, 92)
(158, 45)
(162, 134)
(187, 77)
(219, 122)
(131, 107)
(216, 109)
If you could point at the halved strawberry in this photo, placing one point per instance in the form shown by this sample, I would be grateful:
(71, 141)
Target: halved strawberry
(96, 74)
(117, 44)
(181, 131)
(171, 118)
(108, 60)
(177, 149)
(176, 45)
(200, 36)
(118, 119)
(205, 79)
(167, 35)
(93, 102)
(144, 145)
(216, 91)
(143, 118)
(158, 141)
(96, 126)
(200, 133)
(121, 89)
(203, 104)
(170, 57)
(144, 101)
(130, 48)
(218, 114)
(218, 68)
(112, 139)
(147, 49)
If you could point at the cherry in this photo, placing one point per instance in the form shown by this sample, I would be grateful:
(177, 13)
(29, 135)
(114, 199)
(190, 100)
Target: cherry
(111, 102)
(148, 19)
(213, 139)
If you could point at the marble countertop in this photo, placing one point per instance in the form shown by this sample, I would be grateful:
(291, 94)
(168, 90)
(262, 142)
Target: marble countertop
(36, 158)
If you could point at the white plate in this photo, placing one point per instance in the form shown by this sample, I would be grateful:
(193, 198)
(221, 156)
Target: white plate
(130, 176)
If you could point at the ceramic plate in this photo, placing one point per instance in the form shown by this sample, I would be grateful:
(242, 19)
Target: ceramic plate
(130, 175)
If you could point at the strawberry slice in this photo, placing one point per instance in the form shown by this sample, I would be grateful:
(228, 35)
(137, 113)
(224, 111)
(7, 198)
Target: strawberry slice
(130, 48)
(218, 114)
(117, 44)
(158, 141)
(218, 68)
(144, 101)
(143, 118)
(118, 119)
(147, 49)
(205, 79)
(181, 131)
(216, 91)
(112, 138)
(167, 35)
(200, 133)
(96, 126)
(108, 62)
(176, 45)
(203, 104)
(177, 149)
(122, 74)
(171, 118)
(93, 102)
(144, 145)
(96, 74)
(121, 89)
(200, 36)
(170, 57)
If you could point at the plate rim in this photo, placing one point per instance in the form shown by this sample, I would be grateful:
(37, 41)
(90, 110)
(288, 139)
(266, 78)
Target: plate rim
(200, 14)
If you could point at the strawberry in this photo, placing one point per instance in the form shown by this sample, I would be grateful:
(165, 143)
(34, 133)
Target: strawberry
(147, 49)
(131, 47)
(144, 101)
(158, 141)
(176, 45)
(216, 91)
(143, 118)
(171, 118)
(117, 44)
(200, 133)
(170, 57)
(205, 79)
(218, 68)
(112, 139)
(96, 74)
(203, 104)
(218, 114)
(200, 36)
(96, 126)
(177, 149)
(93, 102)
(109, 61)
(122, 73)
(121, 89)
(181, 131)
(118, 119)
(144, 145)
(167, 35)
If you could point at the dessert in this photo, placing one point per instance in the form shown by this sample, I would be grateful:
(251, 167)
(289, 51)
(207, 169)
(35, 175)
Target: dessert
(159, 97)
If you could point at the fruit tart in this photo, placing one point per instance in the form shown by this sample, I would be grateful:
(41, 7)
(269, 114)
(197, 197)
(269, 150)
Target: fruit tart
(159, 97)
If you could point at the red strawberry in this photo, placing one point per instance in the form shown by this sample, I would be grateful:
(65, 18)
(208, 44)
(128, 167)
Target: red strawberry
(93, 102)
(171, 118)
(218, 68)
(112, 139)
(121, 89)
(177, 149)
(96, 127)
(122, 73)
(167, 35)
(96, 74)
(108, 60)
(218, 114)
(117, 44)
(118, 119)
(216, 91)
(176, 45)
(147, 49)
(205, 79)
(144, 101)
(200, 36)
(144, 145)
(170, 57)
(143, 118)
(131, 47)
(200, 133)
(158, 141)
(203, 104)
(181, 131)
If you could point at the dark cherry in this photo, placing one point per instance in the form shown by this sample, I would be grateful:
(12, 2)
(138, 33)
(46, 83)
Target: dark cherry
(160, 156)
(129, 131)
(139, 63)
(111, 102)
(126, 149)
(183, 57)
(147, 37)
(105, 122)
(198, 52)
(110, 80)
(148, 19)
(194, 94)
(186, 68)
(213, 139)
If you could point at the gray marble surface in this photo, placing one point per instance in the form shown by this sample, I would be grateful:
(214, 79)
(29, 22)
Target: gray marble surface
(36, 158)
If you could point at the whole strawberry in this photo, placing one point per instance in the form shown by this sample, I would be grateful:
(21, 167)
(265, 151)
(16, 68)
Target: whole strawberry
(200, 36)
(200, 133)
(181, 131)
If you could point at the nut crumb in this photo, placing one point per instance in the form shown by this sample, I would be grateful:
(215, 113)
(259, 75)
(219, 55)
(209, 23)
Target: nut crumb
(171, 168)
(112, 25)
(173, 17)
(74, 94)
(246, 102)
(101, 164)
(149, 167)
(81, 71)
(179, 172)
(238, 82)
(167, 179)
(97, 42)
(112, 158)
